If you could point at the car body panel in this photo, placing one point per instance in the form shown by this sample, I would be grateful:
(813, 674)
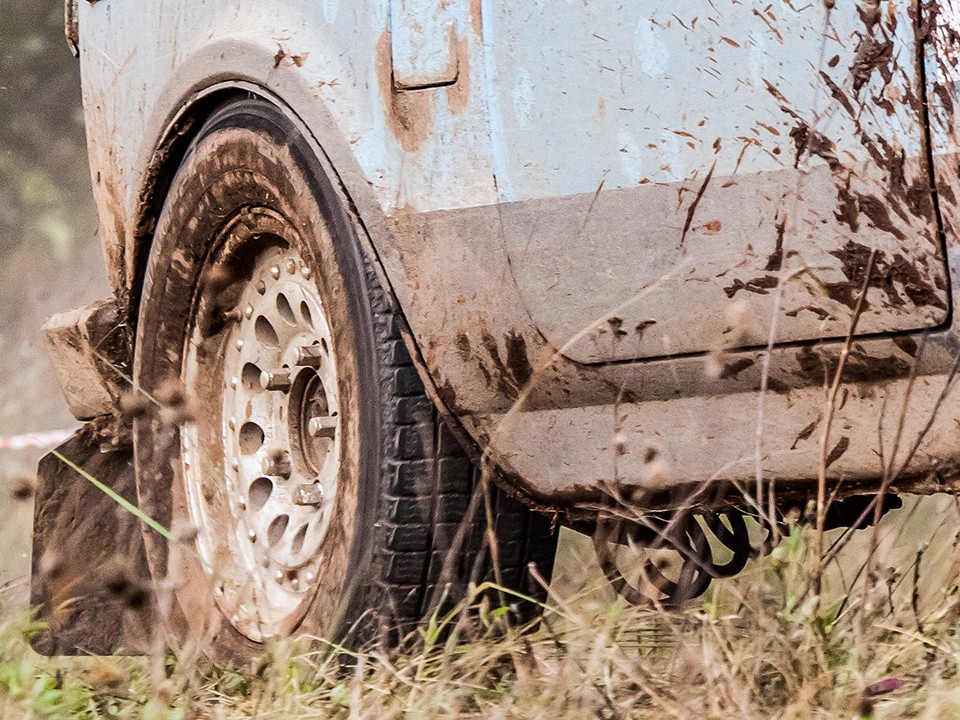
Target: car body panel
(472, 260)
(676, 158)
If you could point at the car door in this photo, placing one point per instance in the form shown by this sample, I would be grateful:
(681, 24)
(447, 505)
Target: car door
(668, 169)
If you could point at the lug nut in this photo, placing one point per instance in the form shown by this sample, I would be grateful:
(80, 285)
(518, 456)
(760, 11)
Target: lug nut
(277, 463)
(275, 272)
(291, 267)
(310, 356)
(309, 494)
(279, 380)
(322, 426)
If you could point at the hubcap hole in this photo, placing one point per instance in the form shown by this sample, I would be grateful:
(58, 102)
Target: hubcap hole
(278, 526)
(251, 377)
(251, 438)
(265, 333)
(286, 312)
(305, 312)
(260, 491)
(297, 544)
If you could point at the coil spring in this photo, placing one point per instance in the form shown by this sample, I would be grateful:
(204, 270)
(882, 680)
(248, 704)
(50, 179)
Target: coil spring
(687, 536)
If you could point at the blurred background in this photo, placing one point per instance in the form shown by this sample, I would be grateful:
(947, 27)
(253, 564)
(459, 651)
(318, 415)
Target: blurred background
(49, 256)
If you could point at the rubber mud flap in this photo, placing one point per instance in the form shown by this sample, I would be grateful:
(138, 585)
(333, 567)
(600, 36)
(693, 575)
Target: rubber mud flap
(89, 581)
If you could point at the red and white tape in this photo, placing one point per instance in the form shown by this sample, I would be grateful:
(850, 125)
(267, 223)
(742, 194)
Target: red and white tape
(47, 439)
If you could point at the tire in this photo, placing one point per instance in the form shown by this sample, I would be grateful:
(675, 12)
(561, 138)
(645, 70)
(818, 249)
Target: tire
(358, 460)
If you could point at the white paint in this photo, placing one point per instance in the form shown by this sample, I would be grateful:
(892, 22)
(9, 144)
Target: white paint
(650, 49)
(498, 146)
(523, 98)
(331, 8)
(631, 157)
(757, 42)
(670, 151)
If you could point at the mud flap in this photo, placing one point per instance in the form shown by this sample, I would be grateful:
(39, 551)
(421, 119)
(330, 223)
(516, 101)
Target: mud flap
(90, 586)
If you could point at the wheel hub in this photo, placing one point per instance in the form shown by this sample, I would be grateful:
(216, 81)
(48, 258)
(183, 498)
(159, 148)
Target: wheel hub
(276, 415)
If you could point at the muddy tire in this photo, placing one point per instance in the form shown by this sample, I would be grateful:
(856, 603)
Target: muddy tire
(293, 436)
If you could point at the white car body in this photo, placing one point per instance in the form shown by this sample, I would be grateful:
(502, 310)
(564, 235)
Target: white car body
(614, 229)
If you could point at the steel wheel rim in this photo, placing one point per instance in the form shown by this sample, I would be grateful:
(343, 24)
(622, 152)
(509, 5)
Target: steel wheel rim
(267, 389)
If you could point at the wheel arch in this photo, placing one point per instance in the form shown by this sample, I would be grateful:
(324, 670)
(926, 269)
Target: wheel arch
(180, 130)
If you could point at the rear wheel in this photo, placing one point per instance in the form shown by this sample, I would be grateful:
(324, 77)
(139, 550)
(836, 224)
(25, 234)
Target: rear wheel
(325, 492)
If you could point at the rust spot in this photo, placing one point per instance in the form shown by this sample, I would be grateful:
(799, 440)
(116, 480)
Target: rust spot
(458, 94)
(409, 114)
(476, 17)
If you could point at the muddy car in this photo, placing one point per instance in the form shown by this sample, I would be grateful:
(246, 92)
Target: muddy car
(401, 288)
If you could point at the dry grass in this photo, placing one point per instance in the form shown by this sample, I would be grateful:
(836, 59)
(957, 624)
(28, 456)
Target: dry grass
(878, 643)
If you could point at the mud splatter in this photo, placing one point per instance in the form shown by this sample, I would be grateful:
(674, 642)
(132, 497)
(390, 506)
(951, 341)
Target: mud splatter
(872, 55)
(906, 343)
(759, 285)
(775, 261)
(696, 201)
(732, 369)
(517, 361)
(805, 433)
(838, 450)
(860, 367)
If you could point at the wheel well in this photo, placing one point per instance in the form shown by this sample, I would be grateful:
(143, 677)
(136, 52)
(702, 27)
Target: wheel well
(181, 130)
(166, 159)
